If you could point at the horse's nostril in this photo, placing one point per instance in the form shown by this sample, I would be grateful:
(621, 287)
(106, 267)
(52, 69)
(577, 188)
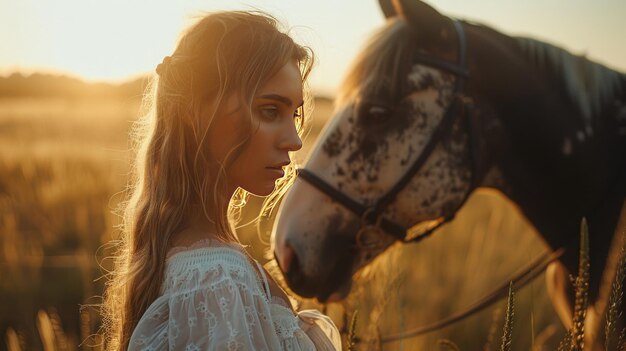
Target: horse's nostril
(293, 265)
(295, 277)
(287, 258)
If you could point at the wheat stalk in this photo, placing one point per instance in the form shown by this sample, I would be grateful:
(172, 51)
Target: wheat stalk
(12, 340)
(508, 321)
(615, 298)
(621, 341)
(566, 342)
(46, 331)
(62, 342)
(574, 338)
(352, 331)
(582, 286)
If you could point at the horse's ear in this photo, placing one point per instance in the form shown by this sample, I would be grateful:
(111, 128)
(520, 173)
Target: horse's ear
(425, 19)
(387, 7)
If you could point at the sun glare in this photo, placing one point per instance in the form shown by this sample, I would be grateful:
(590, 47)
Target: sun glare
(114, 40)
(99, 40)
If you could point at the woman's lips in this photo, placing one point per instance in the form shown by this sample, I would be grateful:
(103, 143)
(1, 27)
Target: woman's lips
(278, 172)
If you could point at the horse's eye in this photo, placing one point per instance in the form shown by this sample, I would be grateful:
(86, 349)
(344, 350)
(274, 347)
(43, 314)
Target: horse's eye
(378, 111)
(374, 112)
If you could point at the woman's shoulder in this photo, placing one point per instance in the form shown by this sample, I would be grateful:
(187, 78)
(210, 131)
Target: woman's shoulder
(204, 264)
(204, 250)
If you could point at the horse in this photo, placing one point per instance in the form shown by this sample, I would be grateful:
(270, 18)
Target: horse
(434, 108)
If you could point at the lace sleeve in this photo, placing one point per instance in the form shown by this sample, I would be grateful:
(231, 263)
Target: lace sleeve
(320, 329)
(224, 315)
(227, 315)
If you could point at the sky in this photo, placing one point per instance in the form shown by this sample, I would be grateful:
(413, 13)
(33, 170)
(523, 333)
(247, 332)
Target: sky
(116, 40)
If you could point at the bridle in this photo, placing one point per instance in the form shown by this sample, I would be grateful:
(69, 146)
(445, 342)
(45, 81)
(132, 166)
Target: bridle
(369, 236)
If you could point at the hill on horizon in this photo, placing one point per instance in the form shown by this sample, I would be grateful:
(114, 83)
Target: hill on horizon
(44, 85)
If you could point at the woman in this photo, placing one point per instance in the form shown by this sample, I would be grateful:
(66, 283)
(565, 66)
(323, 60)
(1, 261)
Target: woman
(225, 117)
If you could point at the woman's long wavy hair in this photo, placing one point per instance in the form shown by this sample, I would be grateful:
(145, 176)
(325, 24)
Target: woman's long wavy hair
(175, 174)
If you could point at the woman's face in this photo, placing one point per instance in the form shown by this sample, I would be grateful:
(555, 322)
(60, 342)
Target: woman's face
(273, 135)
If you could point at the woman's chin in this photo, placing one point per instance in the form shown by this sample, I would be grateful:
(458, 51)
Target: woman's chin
(265, 192)
(262, 190)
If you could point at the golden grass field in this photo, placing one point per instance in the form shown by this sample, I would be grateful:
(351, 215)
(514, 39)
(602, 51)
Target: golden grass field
(63, 170)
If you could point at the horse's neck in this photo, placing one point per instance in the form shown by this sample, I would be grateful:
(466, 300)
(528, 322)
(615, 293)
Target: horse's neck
(538, 158)
(619, 116)
(553, 189)
(542, 140)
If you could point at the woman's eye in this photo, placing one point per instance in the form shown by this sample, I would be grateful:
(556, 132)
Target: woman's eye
(270, 113)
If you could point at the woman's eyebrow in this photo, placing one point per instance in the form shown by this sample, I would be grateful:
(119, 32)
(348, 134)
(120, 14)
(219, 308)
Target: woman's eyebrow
(280, 98)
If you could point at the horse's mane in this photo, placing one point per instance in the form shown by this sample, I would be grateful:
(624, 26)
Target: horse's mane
(590, 85)
(378, 67)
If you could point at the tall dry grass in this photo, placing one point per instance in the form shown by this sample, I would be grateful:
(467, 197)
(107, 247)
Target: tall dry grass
(63, 170)
(62, 167)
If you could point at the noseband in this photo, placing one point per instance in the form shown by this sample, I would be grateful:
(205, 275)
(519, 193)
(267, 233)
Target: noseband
(372, 222)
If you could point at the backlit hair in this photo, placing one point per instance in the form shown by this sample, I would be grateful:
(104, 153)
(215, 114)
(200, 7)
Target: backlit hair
(174, 175)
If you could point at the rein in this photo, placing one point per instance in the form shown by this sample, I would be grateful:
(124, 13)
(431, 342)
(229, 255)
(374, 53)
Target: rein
(518, 280)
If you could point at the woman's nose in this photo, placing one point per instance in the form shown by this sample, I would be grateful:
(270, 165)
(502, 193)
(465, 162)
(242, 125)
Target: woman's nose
(291, 140)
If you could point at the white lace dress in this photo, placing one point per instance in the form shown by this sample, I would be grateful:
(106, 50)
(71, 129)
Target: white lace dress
(213, 299)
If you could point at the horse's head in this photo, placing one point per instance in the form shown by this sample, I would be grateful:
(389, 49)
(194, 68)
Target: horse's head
(394, 156)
